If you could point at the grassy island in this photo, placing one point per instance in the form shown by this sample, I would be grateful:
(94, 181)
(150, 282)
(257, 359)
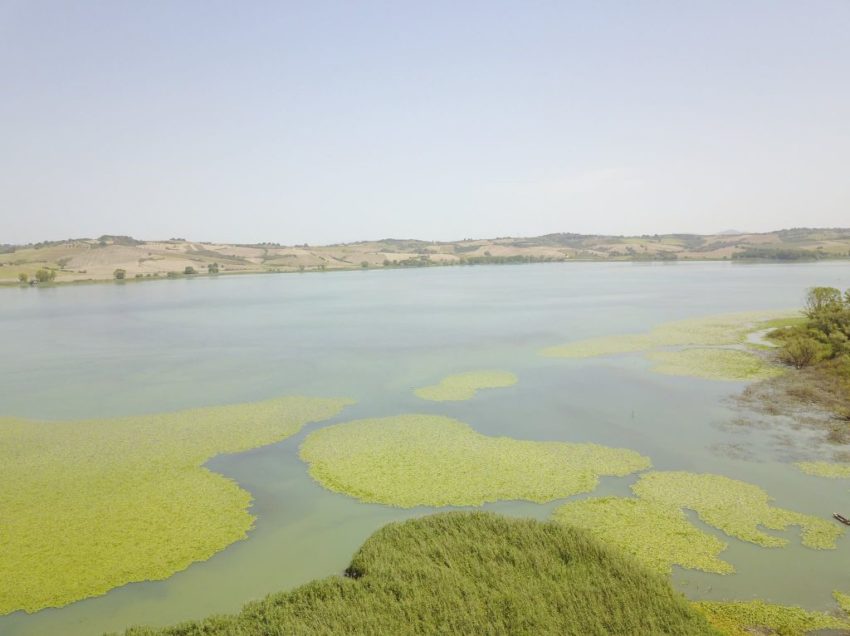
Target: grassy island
(471, 573)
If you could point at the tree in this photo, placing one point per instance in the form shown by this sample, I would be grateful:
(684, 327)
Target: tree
(364, 264)
(212, 268)
(821, 300)
(45, 275)
(120, 274)
(189, 271)
(23, 278)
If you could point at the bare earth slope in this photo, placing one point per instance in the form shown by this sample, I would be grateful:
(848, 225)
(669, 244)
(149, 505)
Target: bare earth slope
(98, 259)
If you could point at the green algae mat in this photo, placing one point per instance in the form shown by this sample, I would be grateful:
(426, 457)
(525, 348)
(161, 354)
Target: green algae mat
(90, 505)
(471, 573)
(703, 346)
(657, 536)
(431, 460)
(724, 329)
(749, 618)
(654, 529)
(735, 507)
(464, 386)
(713, 364)
(830, 470)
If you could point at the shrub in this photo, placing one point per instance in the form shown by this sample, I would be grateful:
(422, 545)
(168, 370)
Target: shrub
(45, 275)
(364, 264)
(212, 268)
(23, 278)
(120, 274)
(189, 271)
(801, 351)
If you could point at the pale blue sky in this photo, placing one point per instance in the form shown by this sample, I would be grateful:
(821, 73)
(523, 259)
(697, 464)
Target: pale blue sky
(336, 121)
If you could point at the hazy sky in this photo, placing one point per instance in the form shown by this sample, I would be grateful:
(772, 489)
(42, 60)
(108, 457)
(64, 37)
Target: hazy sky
(336, 121)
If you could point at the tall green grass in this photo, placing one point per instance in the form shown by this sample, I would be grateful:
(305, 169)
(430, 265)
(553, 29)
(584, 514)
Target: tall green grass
(470, 573)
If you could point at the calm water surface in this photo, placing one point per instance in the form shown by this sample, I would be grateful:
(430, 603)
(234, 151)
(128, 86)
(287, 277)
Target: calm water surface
(106, 350)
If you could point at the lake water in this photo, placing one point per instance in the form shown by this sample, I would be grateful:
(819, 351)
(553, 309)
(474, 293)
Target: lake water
(106, 350)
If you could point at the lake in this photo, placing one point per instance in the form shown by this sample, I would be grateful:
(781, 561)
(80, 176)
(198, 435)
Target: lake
(122, 349)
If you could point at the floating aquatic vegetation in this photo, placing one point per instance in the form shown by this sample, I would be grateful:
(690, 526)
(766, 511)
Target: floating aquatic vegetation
(602, 346)
(735, 507)
(726, 329)
(430, 460)
(463, 386)
(90, 505)
(831, 470)
(843, 600)
(713, 364)
(658, 536)
(745, 618)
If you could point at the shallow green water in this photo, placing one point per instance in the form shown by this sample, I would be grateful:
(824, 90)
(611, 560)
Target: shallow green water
(373, 336)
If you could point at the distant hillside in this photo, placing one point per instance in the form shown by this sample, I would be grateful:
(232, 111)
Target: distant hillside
(99, 259)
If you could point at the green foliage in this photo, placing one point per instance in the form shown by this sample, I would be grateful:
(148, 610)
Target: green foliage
(713, 364)
(745, 618)
(778, 254)
(23, 278)
(463, 386)
(364, 264)
(212, 268)
(735, 507)
(173, 275)
(658, 536)
(825, 334)
(90, 505)
(471, 573)
(120, 274)
(430, 460)
(189, 270)
(799, 350)
(45, 275)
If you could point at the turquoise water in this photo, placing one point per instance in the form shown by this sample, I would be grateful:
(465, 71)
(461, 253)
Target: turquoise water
(105, 350)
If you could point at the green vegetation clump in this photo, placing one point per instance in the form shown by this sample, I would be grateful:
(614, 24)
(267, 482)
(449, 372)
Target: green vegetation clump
(820, 345)
(45, 275)
(745, 618)
(713, 364)
(430, 460)
(120, 274)
(471, 573)
(735, 507)
(831, 470)
(843, 600)
(90, 505)
(825, 335)
(725, 329)
(654, 529)
(658, 536)
(463, 386)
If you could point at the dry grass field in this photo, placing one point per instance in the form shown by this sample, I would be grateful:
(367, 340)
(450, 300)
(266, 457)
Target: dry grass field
(77, 260)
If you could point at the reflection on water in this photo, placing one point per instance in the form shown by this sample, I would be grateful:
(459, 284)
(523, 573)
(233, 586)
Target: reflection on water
(125, 349)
